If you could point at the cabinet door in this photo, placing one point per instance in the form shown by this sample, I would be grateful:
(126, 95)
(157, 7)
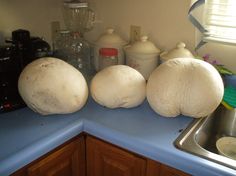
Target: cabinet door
(104, 159)
(153, 168)
(68, 160)
(169, 171)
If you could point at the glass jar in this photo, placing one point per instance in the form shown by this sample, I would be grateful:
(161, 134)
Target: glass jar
(78, 16)
(109, 39)
(80, 57)
(73, 49)
(62, 45)
(107, 57)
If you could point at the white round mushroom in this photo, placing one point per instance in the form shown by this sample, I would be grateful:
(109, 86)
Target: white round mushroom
(52, 86)
(118, 86)
(185, 86)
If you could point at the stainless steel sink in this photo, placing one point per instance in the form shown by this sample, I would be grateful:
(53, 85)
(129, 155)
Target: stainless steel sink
(201, 135)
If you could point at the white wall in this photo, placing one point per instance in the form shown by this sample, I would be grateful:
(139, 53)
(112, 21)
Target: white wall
(34, 15)
(164, 21)
(224, 54)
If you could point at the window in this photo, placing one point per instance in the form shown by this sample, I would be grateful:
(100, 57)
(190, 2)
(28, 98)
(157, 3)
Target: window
(219, 20)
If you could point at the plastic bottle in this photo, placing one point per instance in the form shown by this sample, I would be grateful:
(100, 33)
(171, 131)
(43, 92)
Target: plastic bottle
(107, 57)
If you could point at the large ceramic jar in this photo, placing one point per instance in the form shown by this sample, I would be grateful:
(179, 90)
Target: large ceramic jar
(179, 51)
(142, 56)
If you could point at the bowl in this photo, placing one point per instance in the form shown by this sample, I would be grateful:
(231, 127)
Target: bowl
(227, 147)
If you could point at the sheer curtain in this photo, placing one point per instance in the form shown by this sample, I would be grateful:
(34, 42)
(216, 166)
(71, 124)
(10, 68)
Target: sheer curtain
(219, 20)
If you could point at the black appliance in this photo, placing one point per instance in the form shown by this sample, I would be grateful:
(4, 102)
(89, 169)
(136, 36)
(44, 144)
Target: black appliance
(14, 56)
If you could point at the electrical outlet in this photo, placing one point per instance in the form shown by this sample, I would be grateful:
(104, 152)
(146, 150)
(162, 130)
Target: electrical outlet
(135, 32)
(55, 28)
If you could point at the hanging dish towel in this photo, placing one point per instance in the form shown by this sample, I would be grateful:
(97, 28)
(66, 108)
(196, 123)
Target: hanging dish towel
(229, 99)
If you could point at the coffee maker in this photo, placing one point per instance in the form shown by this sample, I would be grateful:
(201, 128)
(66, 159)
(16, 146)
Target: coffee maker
(15, 54)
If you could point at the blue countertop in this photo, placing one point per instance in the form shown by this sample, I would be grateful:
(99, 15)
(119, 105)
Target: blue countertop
(26, 135)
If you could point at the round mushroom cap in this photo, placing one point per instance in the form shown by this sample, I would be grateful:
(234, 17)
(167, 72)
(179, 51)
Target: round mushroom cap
(185, 86)
(51, 86)
(118, 86)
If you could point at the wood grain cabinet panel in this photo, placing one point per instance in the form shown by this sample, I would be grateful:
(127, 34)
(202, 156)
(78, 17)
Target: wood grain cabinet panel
(153, 168)
(68, 160)
(169, 171)
(86, 155)
(104, 159)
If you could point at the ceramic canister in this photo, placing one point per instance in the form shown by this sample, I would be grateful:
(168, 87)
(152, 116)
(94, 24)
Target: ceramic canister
(178, 52)
(142, 56)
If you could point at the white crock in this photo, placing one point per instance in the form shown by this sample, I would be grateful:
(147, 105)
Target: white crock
(142, 56)
(178, 52)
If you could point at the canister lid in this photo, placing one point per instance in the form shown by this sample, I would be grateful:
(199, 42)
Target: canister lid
(178, 52)
(143, 46)
(110, 38)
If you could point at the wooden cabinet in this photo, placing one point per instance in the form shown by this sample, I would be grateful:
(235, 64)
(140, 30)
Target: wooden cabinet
(86, 155)
(103, 159)
(67, 160)
(153, 168)
(169, 171)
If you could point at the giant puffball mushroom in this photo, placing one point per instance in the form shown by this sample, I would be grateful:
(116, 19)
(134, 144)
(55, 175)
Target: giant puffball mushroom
(118, 86)
(52, 86)
(185, 86)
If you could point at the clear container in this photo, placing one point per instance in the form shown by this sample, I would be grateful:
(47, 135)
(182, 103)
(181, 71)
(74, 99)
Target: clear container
(107, 57)
(78, 16)
(109, 39)
(73, 49)
(62, 45)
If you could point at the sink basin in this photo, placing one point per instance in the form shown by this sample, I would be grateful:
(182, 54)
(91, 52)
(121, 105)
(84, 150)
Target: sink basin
(201, 135)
